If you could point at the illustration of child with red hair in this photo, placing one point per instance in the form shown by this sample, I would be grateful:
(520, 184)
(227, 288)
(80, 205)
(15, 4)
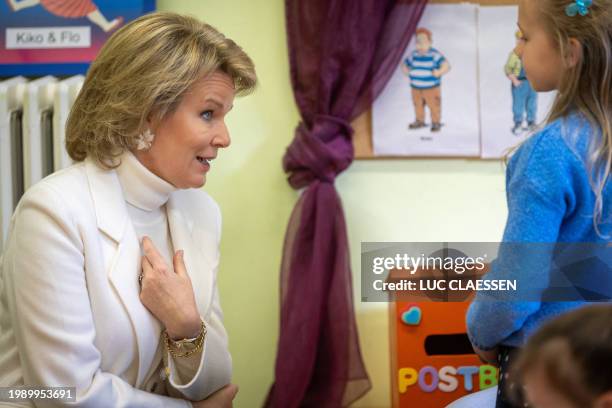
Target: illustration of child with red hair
(425, 67)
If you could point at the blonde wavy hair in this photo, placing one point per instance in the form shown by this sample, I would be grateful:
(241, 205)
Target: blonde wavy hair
(586, 87)
(142, 72)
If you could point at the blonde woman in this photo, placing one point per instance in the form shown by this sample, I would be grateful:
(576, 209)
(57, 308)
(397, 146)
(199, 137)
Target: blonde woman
(108, 278)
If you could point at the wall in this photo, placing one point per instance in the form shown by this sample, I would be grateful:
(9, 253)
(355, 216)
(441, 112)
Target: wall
(413, 201)
(398, 200)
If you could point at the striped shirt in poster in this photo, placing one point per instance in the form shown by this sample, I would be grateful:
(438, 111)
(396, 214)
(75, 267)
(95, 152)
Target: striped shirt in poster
(422, 67)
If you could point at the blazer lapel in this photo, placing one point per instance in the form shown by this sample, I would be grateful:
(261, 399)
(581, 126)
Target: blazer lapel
(113, 220)
(187, 237)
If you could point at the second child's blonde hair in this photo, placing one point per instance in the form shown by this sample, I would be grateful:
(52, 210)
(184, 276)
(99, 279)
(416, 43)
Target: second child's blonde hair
(141, 73)
(586, 87)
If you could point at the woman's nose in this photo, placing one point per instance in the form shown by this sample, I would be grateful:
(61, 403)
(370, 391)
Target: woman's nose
(222, 139)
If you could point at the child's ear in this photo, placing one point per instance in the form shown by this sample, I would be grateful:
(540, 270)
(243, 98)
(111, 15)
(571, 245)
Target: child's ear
(574, 52)
(604, 401)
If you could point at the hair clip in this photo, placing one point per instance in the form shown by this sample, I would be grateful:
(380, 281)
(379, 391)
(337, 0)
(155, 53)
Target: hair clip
(578, 7)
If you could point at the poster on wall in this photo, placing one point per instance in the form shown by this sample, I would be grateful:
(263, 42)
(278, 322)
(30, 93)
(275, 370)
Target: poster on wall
(59, 37)
(510, 108)
(430, 105)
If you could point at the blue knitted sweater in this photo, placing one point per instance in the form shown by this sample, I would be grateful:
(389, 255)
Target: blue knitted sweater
(550, 199)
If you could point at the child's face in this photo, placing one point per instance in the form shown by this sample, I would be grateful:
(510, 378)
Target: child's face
(541, 58)
(422, 42)
(540, 394)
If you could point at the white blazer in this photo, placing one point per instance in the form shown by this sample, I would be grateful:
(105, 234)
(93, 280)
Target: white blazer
(70, 313)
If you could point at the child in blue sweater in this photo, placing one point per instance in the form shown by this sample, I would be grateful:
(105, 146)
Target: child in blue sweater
(557, 182)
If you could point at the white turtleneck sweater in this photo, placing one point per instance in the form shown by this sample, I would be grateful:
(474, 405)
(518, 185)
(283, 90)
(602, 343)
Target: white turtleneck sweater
(146, 196)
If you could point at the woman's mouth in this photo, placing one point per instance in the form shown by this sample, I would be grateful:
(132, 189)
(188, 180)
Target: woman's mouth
(204, 162)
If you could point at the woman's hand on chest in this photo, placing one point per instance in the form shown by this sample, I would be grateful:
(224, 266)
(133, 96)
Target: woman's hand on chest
(168, 293)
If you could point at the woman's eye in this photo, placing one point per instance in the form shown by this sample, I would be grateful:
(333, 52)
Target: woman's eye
(207, 115)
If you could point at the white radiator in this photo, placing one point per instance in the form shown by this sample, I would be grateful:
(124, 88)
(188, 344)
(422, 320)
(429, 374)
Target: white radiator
(33, 116)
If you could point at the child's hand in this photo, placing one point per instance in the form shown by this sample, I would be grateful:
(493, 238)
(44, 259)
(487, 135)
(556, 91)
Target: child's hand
(405, 70)
(487, 356)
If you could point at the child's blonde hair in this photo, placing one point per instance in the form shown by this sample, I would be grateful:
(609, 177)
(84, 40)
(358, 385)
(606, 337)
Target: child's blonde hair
(574, 351)
(586, 87)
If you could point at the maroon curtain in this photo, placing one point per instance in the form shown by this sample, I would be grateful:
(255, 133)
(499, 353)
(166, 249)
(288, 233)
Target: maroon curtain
(341, 54)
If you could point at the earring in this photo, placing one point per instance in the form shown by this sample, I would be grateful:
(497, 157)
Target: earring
(145, 140)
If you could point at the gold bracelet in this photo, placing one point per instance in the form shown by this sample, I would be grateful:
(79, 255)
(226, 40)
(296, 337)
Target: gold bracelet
(176, 347)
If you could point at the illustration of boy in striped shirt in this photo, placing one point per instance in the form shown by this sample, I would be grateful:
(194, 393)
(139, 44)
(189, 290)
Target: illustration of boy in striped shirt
(425, 68)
